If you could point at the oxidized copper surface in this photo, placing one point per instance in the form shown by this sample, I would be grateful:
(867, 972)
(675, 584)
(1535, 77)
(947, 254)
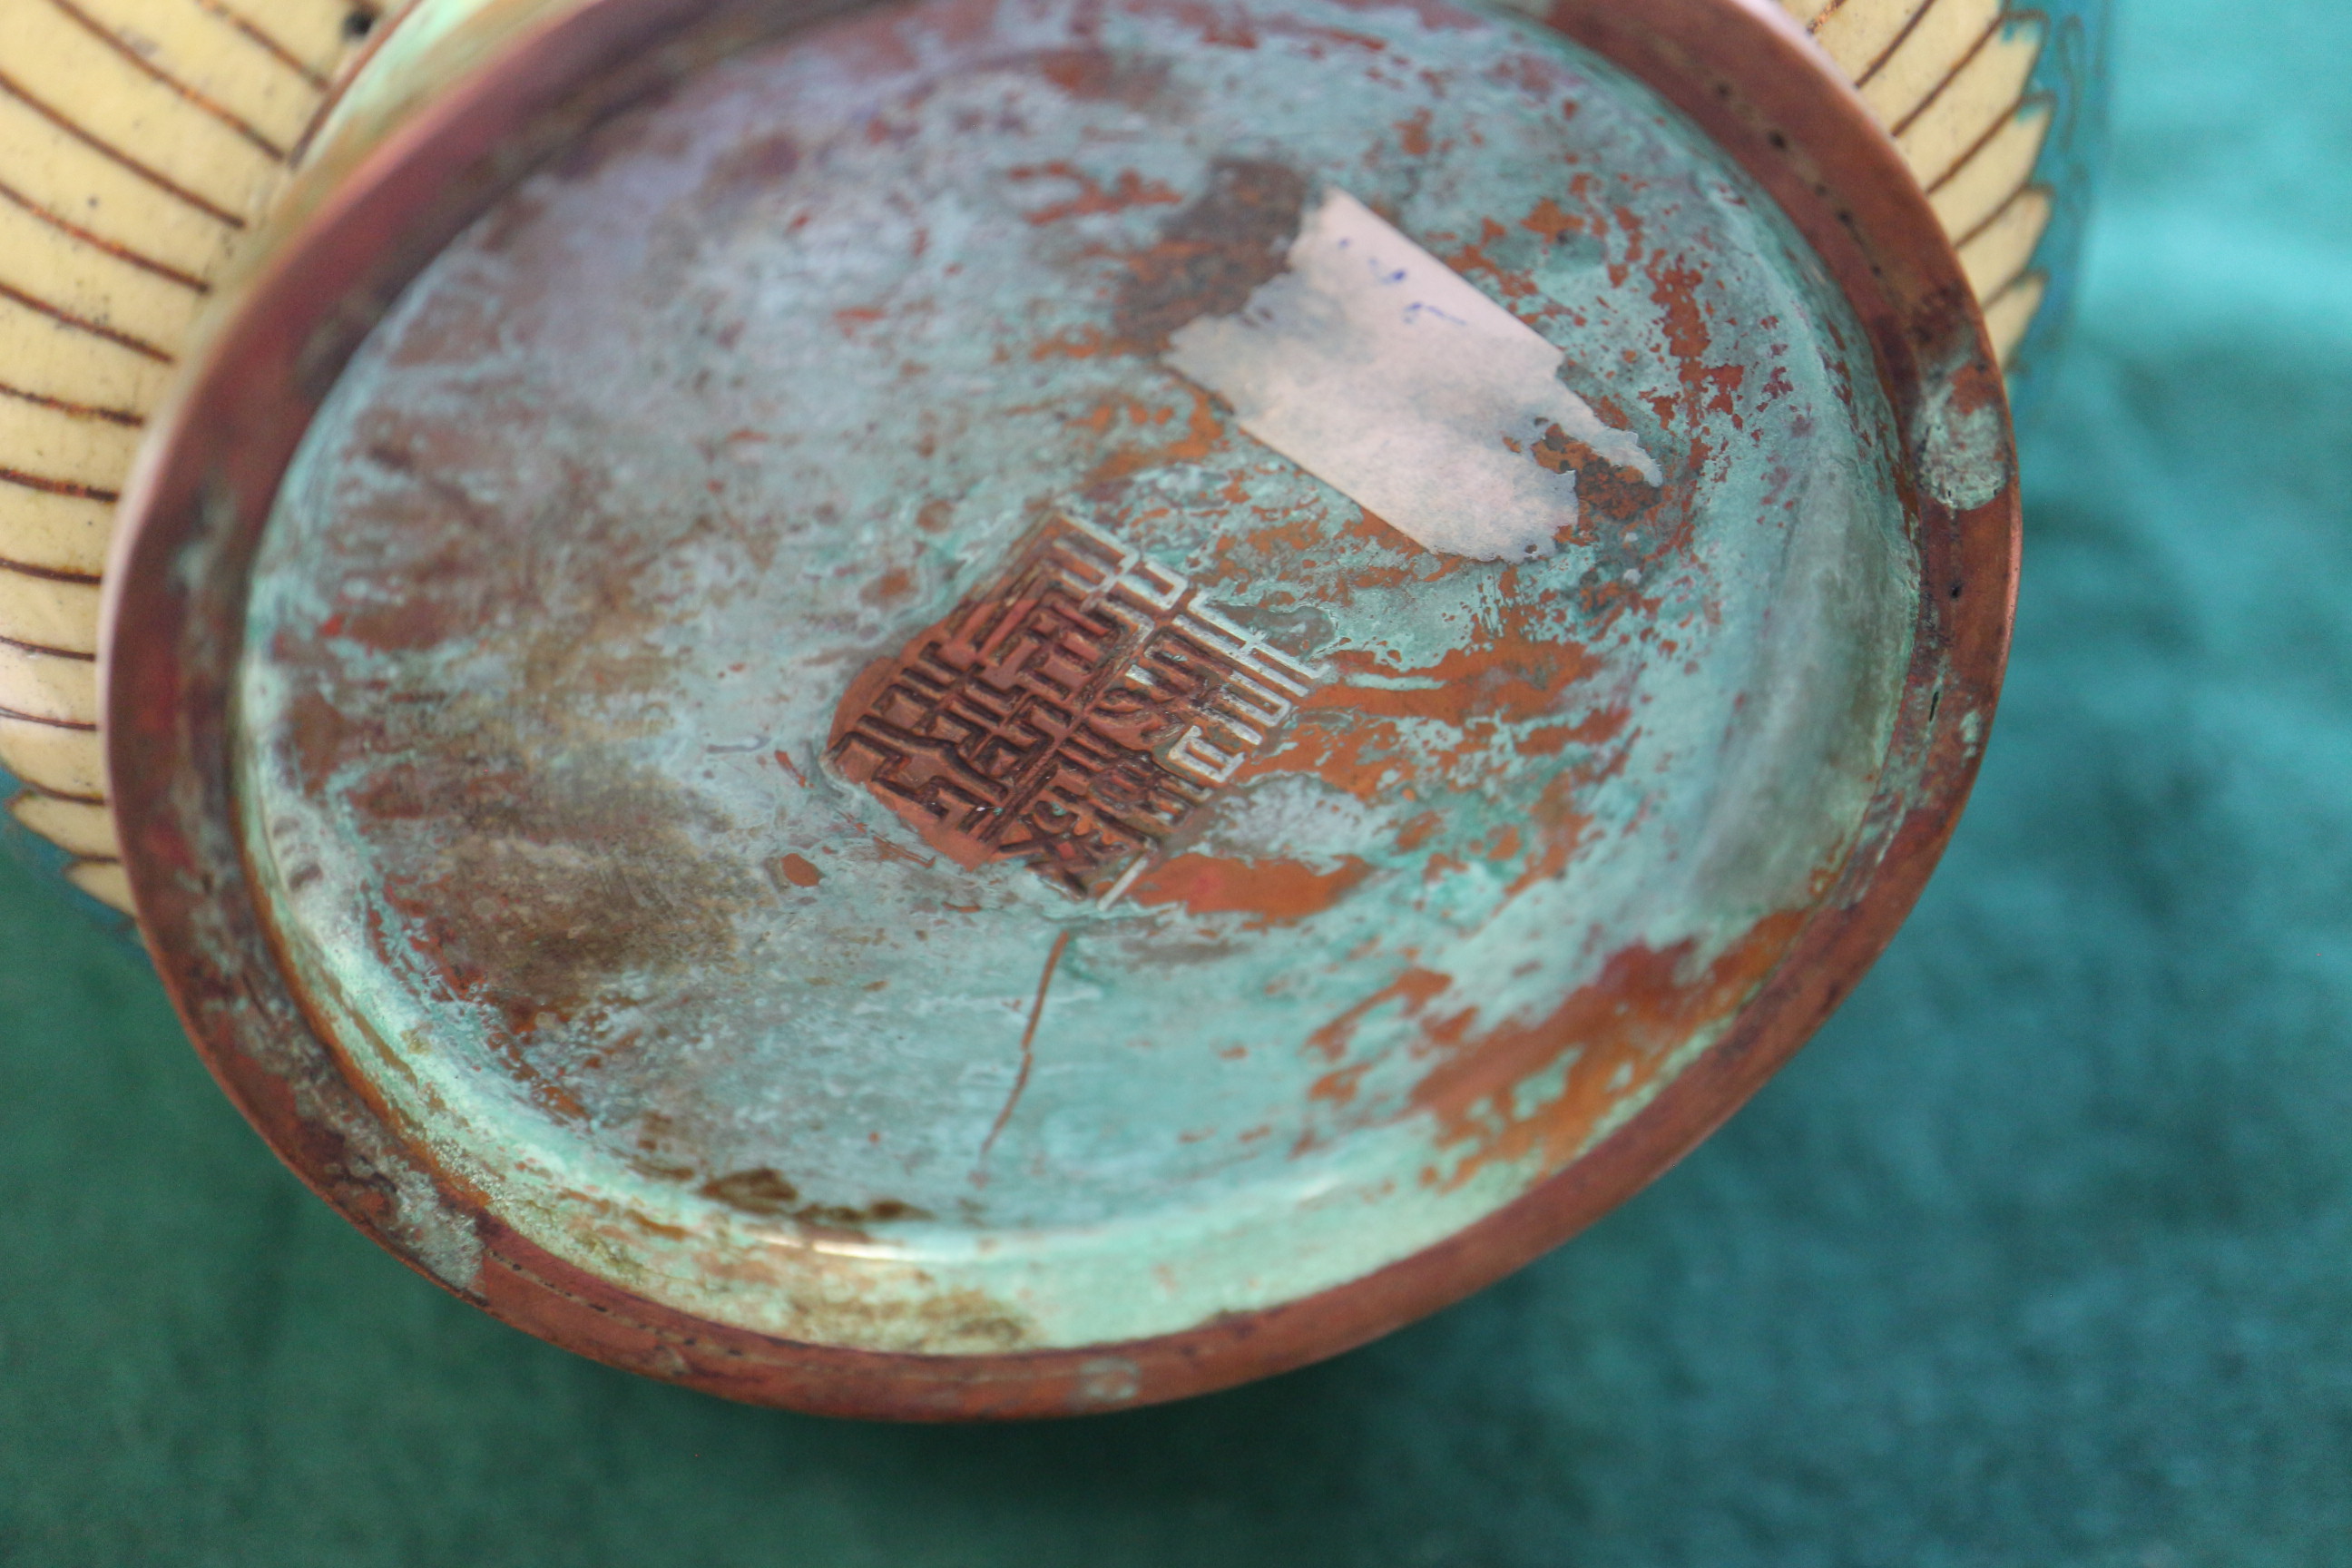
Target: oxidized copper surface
(1016, 707)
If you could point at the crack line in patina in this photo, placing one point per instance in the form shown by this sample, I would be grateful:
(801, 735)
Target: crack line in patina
(1028, 1059)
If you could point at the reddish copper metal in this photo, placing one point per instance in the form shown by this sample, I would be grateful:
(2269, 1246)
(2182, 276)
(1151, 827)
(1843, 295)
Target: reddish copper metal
(1738, 66)
(1100, 702)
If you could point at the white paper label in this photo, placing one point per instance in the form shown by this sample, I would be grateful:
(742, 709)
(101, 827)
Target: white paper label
(1380, 371)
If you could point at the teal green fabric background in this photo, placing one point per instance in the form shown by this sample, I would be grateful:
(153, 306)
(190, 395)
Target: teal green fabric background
(2041, 1255)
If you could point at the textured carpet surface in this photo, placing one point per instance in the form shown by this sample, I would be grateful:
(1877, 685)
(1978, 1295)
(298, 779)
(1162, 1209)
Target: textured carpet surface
(2041, 1255)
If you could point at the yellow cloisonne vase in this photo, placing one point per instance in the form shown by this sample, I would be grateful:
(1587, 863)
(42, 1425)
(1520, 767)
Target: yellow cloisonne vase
(991, 707)
(143, 142)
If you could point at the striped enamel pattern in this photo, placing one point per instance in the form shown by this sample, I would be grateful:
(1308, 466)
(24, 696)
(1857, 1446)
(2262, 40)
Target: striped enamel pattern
(140, 142)
(1959, 85)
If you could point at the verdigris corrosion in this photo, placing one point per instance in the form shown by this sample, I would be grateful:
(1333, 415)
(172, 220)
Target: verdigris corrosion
(1107, 986)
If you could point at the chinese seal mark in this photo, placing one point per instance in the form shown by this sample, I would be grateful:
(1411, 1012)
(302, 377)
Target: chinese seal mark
(1073, 714)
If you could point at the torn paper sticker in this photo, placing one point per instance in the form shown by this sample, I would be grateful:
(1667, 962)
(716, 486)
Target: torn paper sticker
(1380, 371)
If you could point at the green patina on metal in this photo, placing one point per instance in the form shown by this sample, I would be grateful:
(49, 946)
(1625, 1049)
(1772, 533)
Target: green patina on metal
(643, 504)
